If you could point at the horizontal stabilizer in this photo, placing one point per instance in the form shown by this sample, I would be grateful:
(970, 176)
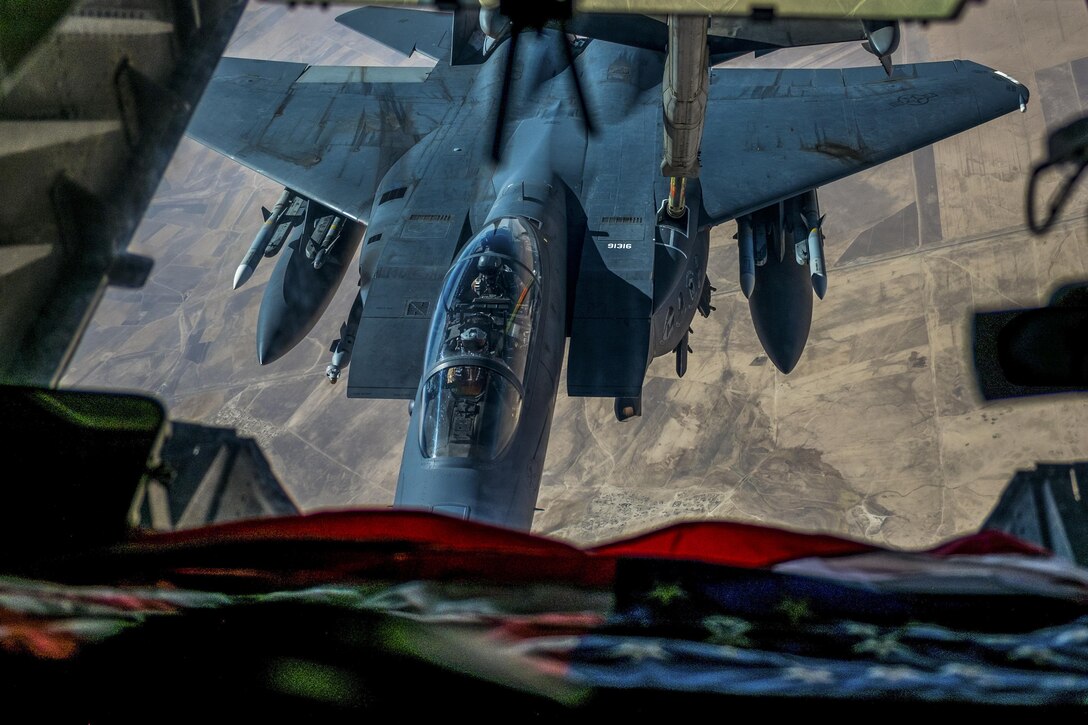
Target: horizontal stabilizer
(455, 39)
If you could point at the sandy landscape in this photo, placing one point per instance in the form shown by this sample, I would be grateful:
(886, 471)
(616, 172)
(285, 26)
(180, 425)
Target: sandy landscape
(877, 434)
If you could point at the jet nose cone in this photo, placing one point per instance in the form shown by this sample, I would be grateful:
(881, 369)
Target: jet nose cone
(784, 352)
(282, 323)
(781, 308)
(270, 345)
(783, 333)
(264, 354)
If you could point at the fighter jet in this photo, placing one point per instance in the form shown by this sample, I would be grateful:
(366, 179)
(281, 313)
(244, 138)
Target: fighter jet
(475, 273)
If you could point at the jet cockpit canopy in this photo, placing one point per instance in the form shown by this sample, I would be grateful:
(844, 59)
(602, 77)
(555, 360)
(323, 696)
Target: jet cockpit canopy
(479, 344)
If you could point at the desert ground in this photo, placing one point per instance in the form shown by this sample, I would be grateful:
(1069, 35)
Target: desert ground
(878, 434)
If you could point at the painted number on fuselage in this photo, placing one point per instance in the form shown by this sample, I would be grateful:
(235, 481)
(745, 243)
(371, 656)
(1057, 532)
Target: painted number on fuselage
(620, 245)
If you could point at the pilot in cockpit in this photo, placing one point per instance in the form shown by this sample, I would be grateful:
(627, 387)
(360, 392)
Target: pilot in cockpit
(472, 341)
(490, 282)
(466, 381)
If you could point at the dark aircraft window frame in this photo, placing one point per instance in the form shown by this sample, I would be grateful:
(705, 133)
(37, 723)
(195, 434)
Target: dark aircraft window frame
(481, 338)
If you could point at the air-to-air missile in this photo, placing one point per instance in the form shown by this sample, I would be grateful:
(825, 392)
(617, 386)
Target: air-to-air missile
(810, 249)
(746, 247)
(260, 242)
(815, 252)
(282, 224)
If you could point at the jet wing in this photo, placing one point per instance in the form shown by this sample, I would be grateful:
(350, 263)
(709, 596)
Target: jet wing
(772, 134)
(329, 133)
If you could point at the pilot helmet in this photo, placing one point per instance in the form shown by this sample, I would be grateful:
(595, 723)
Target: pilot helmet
(473, 340)
(489, 264)
(499, 240)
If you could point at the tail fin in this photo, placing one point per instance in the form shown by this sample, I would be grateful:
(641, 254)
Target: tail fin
(409, 30)
(468, 38)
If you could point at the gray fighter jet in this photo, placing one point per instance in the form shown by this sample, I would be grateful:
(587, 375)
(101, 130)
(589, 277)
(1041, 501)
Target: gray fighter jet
(474, 273)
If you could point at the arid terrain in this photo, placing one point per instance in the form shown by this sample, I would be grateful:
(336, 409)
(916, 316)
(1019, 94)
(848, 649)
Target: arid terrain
(879, 433)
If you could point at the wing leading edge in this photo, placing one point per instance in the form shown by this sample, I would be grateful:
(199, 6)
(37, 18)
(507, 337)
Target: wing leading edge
(772, 134)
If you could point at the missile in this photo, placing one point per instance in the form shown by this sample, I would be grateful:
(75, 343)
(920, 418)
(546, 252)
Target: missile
(816, 267)
(810, 247)
(326, 243)
(341, 348)
(256, 250)
(746, 248)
